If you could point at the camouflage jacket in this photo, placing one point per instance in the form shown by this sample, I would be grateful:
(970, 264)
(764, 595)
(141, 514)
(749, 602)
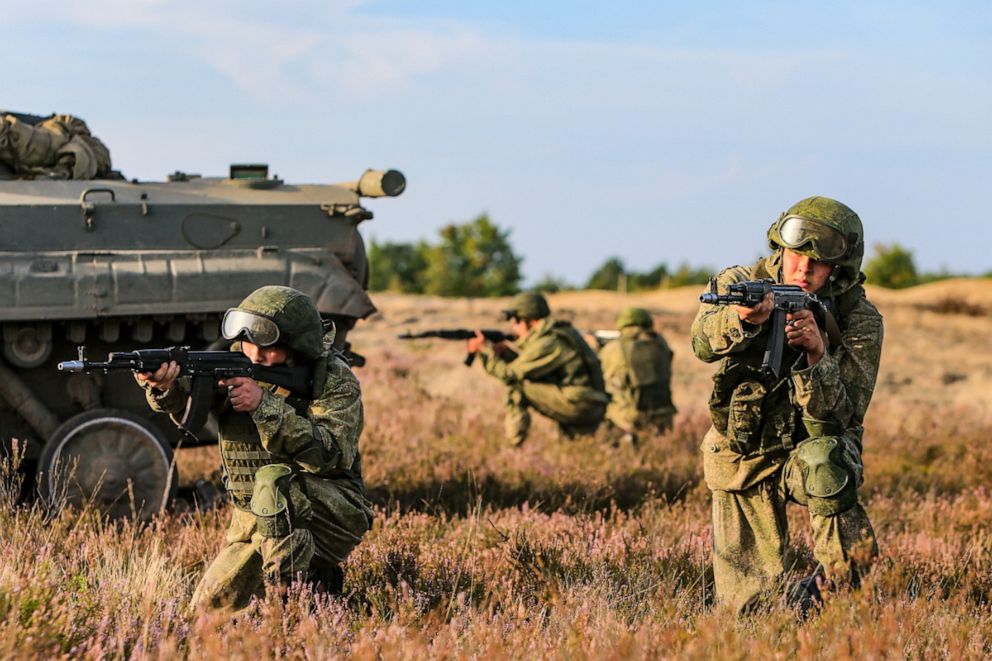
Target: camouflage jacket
(553, 352)
(319, 436)
(637, 369)
(757, 420)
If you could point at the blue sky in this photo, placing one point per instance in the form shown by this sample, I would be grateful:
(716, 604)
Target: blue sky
(654, 131)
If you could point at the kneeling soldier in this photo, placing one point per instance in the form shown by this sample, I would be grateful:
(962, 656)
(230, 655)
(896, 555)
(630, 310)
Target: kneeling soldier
(291, 465)
(551, 369)
(637, 368)
(794, 438)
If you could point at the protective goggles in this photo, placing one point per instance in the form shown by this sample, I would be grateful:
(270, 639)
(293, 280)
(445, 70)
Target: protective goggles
(241, 325)
(798, 233)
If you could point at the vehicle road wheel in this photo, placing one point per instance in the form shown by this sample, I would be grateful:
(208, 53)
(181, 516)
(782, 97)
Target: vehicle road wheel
(113, 460)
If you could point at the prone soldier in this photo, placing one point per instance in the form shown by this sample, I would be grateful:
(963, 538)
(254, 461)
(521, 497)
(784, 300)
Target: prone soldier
(637, 369)
(550, 369)
(291, 464)
(794, 436)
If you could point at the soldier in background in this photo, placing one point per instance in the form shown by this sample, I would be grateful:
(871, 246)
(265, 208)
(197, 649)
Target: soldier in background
(291, 465)
(549, 368)
(637, 369)
(796, 438)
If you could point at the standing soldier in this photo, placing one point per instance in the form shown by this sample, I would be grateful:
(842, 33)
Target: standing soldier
(637, 368)
(796, 438)
(291, 465)
(550, 368)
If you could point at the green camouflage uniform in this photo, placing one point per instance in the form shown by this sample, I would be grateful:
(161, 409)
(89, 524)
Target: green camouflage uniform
(554, 371)
(290, 454)
(637, 369)
(795, 439)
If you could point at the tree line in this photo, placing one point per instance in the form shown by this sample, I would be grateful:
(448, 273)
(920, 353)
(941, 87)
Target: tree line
(476, 259)
(893, 266)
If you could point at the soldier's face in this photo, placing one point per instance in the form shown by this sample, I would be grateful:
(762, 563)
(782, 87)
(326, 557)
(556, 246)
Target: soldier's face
(267, 356)
(798, 269)
(521, 327)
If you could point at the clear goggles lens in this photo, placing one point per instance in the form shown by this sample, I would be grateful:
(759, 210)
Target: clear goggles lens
(241, 325)
(800, 233)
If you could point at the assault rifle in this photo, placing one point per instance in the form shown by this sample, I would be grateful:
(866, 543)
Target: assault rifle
(788, 299)
(205, 368)
(459, 334)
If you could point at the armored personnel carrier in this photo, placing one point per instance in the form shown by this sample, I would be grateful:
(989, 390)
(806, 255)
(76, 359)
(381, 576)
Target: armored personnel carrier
(117, 265)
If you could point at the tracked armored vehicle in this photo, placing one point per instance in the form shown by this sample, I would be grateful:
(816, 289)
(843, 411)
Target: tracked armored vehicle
(117, 265)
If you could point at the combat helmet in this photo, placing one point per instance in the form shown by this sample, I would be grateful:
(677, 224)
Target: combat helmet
(825, 230)
(528, 305)
(277, 315)
(634, 317)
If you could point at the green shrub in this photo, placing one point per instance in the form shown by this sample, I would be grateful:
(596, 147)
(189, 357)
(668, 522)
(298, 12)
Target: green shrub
(892, 267)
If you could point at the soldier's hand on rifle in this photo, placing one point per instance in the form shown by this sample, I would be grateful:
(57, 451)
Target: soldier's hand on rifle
(162, 378)
(475, 344)
(802, 332)
(759, 313)
(245, 393)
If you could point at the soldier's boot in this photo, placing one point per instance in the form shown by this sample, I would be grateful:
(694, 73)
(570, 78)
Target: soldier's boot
(571, 432)
(326, 580)
(629, 438)
(619, 438)
(665, 426)
(804, 596)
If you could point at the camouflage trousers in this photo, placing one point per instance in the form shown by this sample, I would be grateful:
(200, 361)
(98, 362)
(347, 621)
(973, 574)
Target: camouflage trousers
(328, 522)
(577, 412)
(750, 537)
(630, 420)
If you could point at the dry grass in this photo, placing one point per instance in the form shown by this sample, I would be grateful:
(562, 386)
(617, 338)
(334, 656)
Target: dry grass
(557, 550)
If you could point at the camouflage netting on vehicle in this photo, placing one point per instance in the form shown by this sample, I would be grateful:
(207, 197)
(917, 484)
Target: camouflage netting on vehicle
(59, 147)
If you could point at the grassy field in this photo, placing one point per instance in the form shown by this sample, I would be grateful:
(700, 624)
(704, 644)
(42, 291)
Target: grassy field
(558, 549)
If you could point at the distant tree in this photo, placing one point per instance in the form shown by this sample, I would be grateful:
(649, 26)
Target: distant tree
(652, 279)
(892, 267)
(398, 267)
(686, 275)
(933, 276)
(608, 275)
(472, 259)
(549, 284)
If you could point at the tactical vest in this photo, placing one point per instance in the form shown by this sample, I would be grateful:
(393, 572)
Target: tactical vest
(564, 331)
(756, 412)
(649, 370)
(242, 458)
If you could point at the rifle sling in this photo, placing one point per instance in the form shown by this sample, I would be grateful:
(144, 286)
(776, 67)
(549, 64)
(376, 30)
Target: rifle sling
(832, 328)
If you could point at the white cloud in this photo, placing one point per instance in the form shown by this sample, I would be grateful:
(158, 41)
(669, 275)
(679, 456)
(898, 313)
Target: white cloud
(283, 49)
